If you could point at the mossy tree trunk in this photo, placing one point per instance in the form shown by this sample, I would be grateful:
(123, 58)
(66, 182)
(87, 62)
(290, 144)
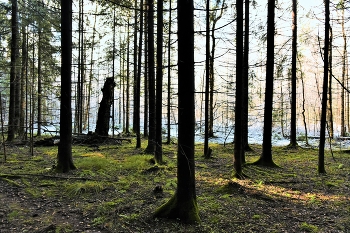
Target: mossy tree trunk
(183, 205)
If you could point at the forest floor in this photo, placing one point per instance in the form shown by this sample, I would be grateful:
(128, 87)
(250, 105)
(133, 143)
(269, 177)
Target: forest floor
(117, 188)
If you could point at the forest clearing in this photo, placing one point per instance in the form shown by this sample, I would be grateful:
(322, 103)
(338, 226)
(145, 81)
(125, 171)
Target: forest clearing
(117, 188)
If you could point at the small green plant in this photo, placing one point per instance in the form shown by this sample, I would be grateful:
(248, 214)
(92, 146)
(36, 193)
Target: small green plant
(309, 227)
(256, 216)
(78, 188)
(98, 221)
(13, 215)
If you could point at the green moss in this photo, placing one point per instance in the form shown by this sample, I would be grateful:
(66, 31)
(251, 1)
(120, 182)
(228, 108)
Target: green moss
(186, 211)
(308, 227)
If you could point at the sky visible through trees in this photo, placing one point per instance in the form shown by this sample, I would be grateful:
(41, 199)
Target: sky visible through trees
(97, 21)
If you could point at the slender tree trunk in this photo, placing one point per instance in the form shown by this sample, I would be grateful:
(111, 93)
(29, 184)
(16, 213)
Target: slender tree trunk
(207, 154)
(91, 76)
(135, 60)
(293, 136)
(159, 80)
(24, 67)
(127, 104)
(113, 71)
(246, 83)
(151, 79)
(145, 113)
(183, 205)
(344, 67)
(65, 160)
(239, 149)
(169, 78)
(138, 83)
(330, 98)
(303, 107)
(39, 97)
(13, 73)
(321, 165)
(266, 156)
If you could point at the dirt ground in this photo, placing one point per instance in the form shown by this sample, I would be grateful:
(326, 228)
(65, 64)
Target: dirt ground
(292, 198)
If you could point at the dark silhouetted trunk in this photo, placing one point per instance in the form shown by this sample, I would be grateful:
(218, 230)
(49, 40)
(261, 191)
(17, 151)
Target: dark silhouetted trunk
(245, 83)
(104, 111)
(239, 148)
(266, 156)
(151, 81)
(138, 83)
(65, 160)
(293, 126)
(207, 153)
(12, 127)
(183, 204)
(321, 165)
(344, 68)
(159, 79)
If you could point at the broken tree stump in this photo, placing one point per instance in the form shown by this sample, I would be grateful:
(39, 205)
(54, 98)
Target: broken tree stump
(104, 111)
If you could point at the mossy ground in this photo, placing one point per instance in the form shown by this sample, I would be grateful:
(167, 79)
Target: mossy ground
(116, 189)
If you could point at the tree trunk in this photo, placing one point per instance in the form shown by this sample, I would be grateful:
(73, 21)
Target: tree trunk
(169, 78)
(138, 83)
(246, 82)
(330, 99)
(151, 80)
(24, 67)
(65, 160)
(293, 136)
(127, 91)
(13, 73)
(145, 113)
(91, 76)
(303, 110)
(239, 149)
(344, 67)
(321, 165)
(207, 81)
(266, 156)
(183, 205)
(159, 83)
(39, 97)
(104, 111)
(135, 60)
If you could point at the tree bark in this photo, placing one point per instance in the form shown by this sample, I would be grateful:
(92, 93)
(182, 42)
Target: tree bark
(293, 136)
(344, 67)
(207, 81)
(104, 111)
(65, 160)
(183, 204)
(246, 82)
(330, 99)
(151, 80)
(239, 149)
(321, 165)
(138, 83)
(13, 73)
(266, 156)
(159, 82)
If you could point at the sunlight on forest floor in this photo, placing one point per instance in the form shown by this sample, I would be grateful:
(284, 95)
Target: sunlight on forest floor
(116, 188)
